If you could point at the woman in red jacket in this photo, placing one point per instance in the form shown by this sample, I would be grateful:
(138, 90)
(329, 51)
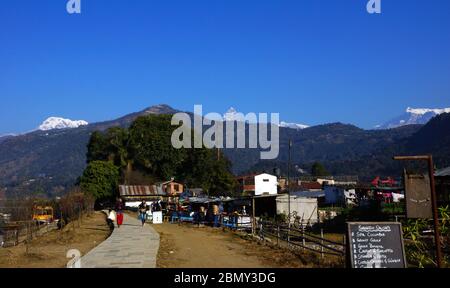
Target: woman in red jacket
(119, 212)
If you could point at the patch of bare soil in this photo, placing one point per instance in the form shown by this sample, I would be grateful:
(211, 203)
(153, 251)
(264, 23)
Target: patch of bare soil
(188, 246)
(49, 250)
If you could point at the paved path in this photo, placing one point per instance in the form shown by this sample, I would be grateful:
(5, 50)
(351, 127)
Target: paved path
(130, 246)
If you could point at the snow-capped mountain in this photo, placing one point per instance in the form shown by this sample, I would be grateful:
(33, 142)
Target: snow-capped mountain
(413, 116)
(293, 125)
(60, 123)
(232, 115)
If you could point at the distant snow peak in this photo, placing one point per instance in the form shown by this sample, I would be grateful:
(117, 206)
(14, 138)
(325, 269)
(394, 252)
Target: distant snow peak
(230, 115)
(423, 111)
(60, 123)
(293, 125)
(413, 116)
(233, 115)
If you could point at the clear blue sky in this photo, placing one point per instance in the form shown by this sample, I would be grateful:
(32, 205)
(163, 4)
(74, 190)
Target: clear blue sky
(314, 61)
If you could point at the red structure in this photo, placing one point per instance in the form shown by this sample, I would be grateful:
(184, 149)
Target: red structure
(246, 184)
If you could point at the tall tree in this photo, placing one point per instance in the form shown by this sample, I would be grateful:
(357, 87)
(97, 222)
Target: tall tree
(202, 169)
(100, 179)
(111, 146)
(147, 146)
(97, 147)
(151, 147)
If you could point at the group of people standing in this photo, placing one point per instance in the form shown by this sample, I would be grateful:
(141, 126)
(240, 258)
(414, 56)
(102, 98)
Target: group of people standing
(116, 215)
(144, 208)
(209, 215)
(214, 215)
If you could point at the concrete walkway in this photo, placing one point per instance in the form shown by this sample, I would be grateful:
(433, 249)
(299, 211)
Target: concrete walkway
(130, 246)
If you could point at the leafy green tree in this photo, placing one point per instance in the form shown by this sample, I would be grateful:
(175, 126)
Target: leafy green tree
(151, 147)
(112, 146)
(117, 146)
(202, 169)
(145, 150)
(97, 147)
(319, 170)
(100, 179)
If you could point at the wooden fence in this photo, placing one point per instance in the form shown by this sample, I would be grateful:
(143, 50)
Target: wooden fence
(18, 232)
(298, 238)
(19, 227)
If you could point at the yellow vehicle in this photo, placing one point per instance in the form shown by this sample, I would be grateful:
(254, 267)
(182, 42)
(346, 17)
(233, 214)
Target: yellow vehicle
(43, 214)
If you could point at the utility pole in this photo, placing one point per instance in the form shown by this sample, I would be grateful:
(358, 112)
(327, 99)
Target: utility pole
(437, 234)
(289, 189)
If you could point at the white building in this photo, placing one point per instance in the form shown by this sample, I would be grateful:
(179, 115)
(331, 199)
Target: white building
(304, 208)
(339, 195)
(266, 184)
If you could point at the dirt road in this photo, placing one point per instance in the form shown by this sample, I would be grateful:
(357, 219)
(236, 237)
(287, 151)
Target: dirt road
(187, 246)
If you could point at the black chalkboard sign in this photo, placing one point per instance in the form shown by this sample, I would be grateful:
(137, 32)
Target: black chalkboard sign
(375, 245)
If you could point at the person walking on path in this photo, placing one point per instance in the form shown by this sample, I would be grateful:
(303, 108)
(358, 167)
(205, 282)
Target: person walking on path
(119, 212)
(111, 219)
(143, 208)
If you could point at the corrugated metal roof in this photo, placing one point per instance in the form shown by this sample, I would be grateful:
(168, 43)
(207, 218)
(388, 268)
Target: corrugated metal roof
(308, 194)
(127, 190)
(204, 200)
(311, 185)
(443, 172)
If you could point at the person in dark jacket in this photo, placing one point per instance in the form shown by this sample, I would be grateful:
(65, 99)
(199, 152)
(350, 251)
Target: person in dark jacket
(143, 208)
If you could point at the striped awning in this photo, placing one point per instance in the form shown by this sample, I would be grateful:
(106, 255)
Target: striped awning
(127, 191)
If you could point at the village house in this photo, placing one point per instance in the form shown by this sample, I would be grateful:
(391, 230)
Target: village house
(266, 184)
(339, 195)
(246, 184)
(304, 206)
(258, 184)
(171, 188)
(309, 186)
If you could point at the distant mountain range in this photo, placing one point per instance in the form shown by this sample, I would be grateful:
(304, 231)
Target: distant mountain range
(410, 117)
(49, 162)
(232, 115)
(413, 116)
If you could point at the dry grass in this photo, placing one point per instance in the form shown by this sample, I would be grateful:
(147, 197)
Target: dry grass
(49, 250)
(186, 246)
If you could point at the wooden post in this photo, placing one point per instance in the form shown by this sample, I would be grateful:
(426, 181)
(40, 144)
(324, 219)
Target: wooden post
(27, 239)
(253, 216)
(303, 236)
(278, 235)
(437, 234)
(17, 236)
(321, 242)
(346, 251)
